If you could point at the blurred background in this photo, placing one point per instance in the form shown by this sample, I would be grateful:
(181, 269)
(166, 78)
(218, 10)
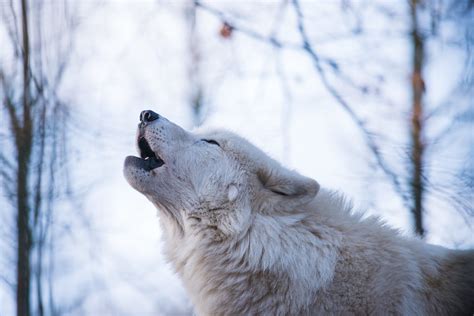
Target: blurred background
(372, 98)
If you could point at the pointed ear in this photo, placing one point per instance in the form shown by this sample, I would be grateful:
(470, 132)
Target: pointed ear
(285, 189)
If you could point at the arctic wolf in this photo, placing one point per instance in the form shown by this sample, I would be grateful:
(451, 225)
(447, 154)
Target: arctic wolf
(251, 237)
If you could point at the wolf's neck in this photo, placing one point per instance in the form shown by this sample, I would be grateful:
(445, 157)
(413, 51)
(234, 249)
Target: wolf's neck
(279, 250)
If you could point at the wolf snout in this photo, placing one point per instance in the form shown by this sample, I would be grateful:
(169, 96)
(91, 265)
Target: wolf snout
(148, 116)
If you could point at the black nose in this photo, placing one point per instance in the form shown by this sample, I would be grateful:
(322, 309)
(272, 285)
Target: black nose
(148, 116)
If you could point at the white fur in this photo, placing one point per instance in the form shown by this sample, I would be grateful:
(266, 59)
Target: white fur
(248, 236)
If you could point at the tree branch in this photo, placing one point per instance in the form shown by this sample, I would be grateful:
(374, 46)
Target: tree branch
(317, 63)
(271, 40)
(368, 136)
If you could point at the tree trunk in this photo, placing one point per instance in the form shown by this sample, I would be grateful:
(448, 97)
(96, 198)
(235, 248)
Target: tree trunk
(23, 146)
(195, 84)
(417, 148)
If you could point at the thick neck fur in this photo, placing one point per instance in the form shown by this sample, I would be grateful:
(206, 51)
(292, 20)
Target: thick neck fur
(306, 258)
(286, 253)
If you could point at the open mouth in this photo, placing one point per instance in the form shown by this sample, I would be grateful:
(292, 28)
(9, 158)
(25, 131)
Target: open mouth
(151, 160)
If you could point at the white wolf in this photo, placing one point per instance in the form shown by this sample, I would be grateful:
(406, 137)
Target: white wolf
(248, 236)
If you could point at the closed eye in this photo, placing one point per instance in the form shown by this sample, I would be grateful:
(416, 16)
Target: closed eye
(211, 141)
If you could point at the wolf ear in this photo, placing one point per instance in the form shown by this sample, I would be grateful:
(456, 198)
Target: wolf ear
(286, 189)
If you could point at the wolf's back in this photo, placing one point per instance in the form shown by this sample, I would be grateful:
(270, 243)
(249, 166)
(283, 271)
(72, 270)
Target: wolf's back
(460, 270)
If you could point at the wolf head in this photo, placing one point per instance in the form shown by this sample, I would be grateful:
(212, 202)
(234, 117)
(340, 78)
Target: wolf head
(214, 180)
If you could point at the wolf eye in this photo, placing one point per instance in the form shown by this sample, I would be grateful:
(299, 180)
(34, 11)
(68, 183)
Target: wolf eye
(211, 141)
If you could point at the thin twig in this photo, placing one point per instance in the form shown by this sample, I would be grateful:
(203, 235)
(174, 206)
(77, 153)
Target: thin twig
(271, 40)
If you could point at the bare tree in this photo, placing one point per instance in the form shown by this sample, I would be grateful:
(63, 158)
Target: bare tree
(458, 13)
(196, 89)
(418, 62)
(34, 174)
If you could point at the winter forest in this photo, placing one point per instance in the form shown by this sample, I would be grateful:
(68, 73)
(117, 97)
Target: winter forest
(371, 98)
